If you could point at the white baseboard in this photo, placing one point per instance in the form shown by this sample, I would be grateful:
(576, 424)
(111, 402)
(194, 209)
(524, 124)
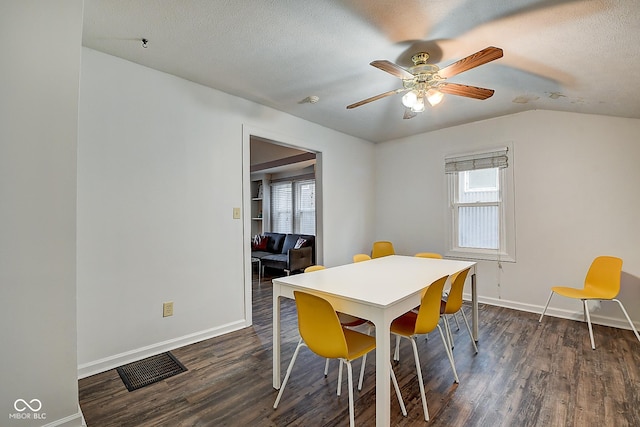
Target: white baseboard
(596, 319)
(75, 420)
(111, 362)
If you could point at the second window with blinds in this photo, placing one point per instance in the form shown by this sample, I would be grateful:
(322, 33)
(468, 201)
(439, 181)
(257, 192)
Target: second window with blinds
(293, 206)
(481, 220)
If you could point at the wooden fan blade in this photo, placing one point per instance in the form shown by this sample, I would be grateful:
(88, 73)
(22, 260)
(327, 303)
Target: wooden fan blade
(375, 98)
(464, 90)
(479, 58)
(392, 69)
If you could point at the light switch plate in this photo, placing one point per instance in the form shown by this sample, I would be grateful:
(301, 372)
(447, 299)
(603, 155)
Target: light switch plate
(236, 213)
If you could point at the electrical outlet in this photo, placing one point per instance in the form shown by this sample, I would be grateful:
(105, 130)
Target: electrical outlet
(167, 309)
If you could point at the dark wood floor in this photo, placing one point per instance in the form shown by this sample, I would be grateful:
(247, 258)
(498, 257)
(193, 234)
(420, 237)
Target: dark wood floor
(525, 374)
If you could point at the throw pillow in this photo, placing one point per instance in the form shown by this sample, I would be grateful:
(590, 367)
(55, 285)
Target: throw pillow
(300, 243)
(259, 243)
(262, 246)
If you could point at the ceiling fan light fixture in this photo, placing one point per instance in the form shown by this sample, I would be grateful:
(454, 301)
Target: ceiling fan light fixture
(423, 80)
(418, 106)
(434, 97)
(409, 99)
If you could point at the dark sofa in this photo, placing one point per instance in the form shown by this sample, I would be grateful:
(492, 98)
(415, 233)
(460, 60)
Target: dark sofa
(280, 252)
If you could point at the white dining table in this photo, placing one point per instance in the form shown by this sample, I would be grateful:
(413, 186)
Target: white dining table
(378, 290)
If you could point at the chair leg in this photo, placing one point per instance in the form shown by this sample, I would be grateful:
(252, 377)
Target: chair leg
(352, 421)
(339, 378)
(326, 368)
(449, 355)
(447, 329)
(370, 328)
(396, 354)
(586, 314)
(466, 322)
(545, 307)
(395, 385)
(289, 369)
(420, 381)
(635, 331)
(364, 362)
(456, 319)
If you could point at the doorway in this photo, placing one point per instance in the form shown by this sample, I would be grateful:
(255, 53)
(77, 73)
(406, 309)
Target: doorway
(267, 158)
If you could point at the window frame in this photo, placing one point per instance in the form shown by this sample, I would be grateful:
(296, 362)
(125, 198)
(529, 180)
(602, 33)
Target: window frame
(506, 250)
(293, 211)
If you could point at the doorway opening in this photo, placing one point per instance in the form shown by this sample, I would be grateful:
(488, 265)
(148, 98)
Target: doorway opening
(282, 193)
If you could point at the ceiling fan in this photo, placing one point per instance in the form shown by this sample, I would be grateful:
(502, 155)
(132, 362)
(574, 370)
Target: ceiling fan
(427, 82)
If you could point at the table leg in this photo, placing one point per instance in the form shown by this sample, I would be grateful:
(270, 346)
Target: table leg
(474, 305)
(276, 337)
(383, 374)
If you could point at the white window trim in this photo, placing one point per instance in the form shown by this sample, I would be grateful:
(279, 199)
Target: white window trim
(507, 250)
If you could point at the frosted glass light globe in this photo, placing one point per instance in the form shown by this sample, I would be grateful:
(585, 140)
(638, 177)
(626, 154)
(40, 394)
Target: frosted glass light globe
(418, 107)
(409, 99)
(434, 96)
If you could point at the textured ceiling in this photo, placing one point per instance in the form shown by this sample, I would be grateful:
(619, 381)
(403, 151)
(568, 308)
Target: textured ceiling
(567, 55)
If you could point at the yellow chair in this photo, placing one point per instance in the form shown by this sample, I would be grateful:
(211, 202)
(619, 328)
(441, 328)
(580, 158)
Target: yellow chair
(428, 255)
(361, 257)
(345, 319)
(411, 324)
(382, 248)
(348, 321)
(320, 330)
(452, 304)
(601, 283)
(434, 255)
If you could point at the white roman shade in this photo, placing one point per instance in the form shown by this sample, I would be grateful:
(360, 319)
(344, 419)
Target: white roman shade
(490, 159)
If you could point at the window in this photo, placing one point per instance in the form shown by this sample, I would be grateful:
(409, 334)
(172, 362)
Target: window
(281, 207)
(305, 213)
(481, 223)
(293, 207)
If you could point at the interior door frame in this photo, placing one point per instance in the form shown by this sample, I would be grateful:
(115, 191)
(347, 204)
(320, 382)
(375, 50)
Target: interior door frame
(287, 141)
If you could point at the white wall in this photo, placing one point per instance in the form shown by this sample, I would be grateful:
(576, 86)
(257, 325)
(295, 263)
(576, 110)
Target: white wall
(40, 50)
(160, 168)
(576, 197)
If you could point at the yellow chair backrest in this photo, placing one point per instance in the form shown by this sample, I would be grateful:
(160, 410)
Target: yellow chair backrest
(382, 248)
(454, 300)
(428, 255)
(429, 312)
(361, 257)
(319, 326)
(603, 277)
(314, 268)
